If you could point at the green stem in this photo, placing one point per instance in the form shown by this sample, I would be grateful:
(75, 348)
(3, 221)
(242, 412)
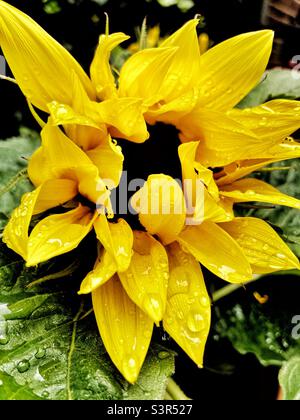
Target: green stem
(227, 290)
(174, 392)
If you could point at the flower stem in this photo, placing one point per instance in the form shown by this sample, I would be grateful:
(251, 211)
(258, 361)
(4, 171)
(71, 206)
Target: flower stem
(174, 392)
(227, 290)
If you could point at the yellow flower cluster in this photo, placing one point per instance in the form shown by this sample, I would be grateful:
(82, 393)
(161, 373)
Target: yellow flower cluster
(152, 275)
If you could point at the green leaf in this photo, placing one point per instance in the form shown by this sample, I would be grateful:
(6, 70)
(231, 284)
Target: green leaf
(276, 84)
(289, 379)
(13, 178)
(263, 330)
(50, 349)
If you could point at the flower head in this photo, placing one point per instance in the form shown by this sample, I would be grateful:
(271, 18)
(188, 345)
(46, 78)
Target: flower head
(150, 273)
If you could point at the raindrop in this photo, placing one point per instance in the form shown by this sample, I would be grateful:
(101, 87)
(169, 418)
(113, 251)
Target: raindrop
(23, 366)
(163, 355)
(45, 394)
(195, 322)
(4, 339)
(129, 367)
(40, 353)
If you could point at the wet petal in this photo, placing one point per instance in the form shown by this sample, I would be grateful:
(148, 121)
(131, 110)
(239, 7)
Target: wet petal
(252, 189)
(161, 207)
(105, 268)
(188, 313)
(125, 330)
(230, 70)
(41, 66)
(58, 234)
(146, 280)
(101, 74)
(117, 239)
(217, 251)
(264, 249)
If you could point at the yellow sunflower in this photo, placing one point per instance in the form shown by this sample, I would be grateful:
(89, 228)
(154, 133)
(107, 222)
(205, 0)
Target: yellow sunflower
(151, 273)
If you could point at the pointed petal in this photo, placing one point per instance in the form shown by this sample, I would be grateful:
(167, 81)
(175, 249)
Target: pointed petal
(41, 66)
(275, 119)
(217, 251)
(38, 169)
(108, 158)
(54, 193)
(125, 330)
(230, 70)
(251, 189)
(15, 234)
(146, 280)
(117, 239)
(105, 268)
(101, 75)
(58, 234)
(209, 209)
(188, 314)
(143, 74)
(161, 207)
(264, 249)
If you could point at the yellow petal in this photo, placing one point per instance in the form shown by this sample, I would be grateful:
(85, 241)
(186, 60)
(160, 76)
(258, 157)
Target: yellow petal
(101, 74)
(117, 239)
(146, 280)
(105, 268)
(209, 209)
(275, 119)
(217, 251)
(54, 193)
(264, 249)
(38, 169)
(15, 234)
(125, 119)
(188, 313)
(252, 189)
(125, 330)
(68, 161)
(108, 158)
(161, 207)
(230, 70)
(58, 234)
(41, 66)
(143, 74)
(193, 170)
(180, 76)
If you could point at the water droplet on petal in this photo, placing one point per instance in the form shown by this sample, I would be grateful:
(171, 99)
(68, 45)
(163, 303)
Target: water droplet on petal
(130, 368)
(195, 322)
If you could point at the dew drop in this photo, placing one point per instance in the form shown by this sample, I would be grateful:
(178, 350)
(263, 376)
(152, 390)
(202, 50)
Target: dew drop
(23, 366)
(40, 353)
(4, 339)
(130, 367)
(163, 355)
(45, 394)
(195, 322)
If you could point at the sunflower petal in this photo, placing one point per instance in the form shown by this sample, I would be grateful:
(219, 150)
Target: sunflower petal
(188, 313)
(251, 189)
(217, 251)
(101, 74)
(105, 268)
(146, 280)
(117, 239)
(264, 249)
(161, 207)
(230, 70)
(108, 158)
(15, 234)
(41, 66)
(125, 330)
(58, 234)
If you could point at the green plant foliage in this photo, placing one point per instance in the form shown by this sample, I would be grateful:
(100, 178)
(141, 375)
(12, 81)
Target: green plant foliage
(13, 177)
(289, 379)
(49, 343)
(276, 84)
